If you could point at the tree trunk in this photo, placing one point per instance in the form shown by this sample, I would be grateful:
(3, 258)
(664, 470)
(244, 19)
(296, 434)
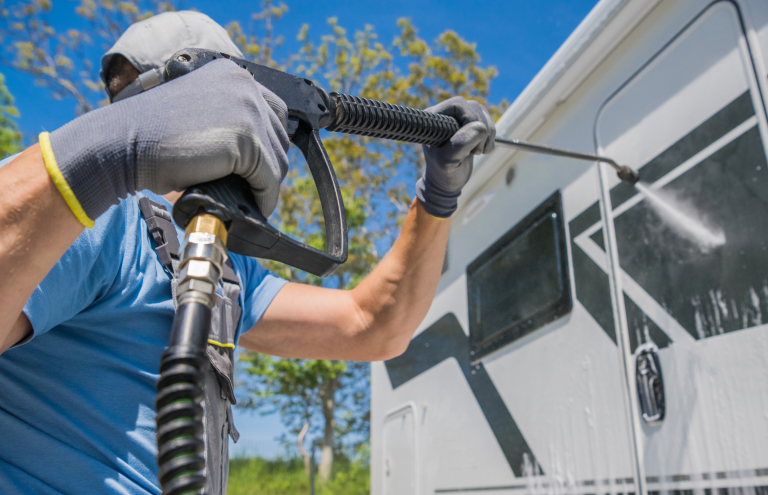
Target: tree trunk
(302, 451)
(329, 406)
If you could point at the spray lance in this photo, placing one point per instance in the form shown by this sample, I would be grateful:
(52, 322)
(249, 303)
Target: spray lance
(221, 216)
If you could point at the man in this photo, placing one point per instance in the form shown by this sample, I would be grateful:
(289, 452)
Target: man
(86, 303)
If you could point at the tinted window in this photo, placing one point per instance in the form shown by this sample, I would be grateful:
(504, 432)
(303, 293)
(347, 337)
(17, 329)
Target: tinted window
(521, 282)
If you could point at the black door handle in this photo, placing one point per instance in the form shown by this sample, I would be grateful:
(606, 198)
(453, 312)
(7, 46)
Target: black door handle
(650, 385)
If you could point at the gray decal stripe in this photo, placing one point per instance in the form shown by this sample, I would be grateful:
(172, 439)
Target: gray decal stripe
(683, 484)
(754, 490)
(443, 340)
(731, 115)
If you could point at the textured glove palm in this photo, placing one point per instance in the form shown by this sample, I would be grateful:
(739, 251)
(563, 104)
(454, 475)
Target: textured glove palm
(449, 166)
(211, 123)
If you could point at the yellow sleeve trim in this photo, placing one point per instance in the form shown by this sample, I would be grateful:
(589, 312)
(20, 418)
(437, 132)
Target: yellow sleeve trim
(61, 183)
(219, 344)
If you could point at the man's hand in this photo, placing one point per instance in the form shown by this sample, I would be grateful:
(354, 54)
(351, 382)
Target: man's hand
(376, 320)
(206, 125)
(449, 166)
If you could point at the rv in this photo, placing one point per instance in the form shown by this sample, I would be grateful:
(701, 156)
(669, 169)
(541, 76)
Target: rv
(588, 336)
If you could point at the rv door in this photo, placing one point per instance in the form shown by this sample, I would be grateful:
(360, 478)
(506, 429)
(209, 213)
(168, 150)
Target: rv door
(400, 455)
(693, 255)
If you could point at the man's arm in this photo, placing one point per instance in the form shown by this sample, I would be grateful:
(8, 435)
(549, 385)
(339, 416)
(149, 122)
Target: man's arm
(36, 228)
(372, 322)
(375, 320)
(155, 141)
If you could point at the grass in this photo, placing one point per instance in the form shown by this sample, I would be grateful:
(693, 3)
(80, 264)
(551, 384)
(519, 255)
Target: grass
(257, 476)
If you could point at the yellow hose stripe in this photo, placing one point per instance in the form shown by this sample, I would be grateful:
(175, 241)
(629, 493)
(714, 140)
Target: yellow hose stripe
(61, 183)
(219, 344)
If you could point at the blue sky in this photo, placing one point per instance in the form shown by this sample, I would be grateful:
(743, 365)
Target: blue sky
(516, 36)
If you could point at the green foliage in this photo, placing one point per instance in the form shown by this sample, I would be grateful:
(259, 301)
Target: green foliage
(259, 44)
(256, 476)
(10, 137)
(349, 477)
(67, 62)
(299, 389)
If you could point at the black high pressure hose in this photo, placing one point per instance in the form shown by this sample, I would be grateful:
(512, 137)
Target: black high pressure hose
(180, 427)
(180, 443)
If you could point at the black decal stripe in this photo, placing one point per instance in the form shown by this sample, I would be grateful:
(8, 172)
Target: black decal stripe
(443, 340)
(715, 290)
(593, 290)
(592, 287)
(599, 239)
(702, 136)
(584, 220)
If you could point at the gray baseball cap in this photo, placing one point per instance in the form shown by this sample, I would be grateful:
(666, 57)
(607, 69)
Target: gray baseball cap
(149, 44)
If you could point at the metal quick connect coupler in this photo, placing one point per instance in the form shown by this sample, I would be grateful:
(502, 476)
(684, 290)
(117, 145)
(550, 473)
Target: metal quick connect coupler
(180, 394)
(203, 255)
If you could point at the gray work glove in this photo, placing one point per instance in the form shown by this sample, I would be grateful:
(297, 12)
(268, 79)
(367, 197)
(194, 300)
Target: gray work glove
(449, 166)
(206, 125)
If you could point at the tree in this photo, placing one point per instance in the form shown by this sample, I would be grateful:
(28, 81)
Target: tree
(10, 137)
(67, 62)
(376, 176)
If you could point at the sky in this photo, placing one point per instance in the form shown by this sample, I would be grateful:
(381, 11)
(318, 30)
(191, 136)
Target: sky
(516, 36)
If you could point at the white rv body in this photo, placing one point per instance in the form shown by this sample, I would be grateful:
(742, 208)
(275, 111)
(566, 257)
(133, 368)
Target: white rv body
(676, 89)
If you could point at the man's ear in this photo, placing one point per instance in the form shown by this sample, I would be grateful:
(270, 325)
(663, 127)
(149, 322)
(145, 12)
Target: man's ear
(119, 74)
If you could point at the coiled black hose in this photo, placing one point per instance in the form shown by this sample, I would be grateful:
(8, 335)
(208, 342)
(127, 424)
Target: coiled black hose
(180, 443)
(365, 117)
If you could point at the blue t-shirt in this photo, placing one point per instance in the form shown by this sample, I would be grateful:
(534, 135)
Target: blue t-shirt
(77, 401)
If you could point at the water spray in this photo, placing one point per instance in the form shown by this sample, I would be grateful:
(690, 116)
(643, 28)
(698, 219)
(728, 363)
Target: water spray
(683, 224)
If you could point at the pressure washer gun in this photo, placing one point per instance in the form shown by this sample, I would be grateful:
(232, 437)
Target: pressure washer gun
(310, 109)
(221, 216)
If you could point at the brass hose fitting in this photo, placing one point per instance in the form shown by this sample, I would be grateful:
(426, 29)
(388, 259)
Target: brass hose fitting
(203, 255)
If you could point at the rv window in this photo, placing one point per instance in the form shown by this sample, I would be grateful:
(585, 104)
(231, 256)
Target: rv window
(521, 282)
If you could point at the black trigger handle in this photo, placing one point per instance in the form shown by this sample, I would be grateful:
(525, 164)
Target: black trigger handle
(230, 198)
(249, 232)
